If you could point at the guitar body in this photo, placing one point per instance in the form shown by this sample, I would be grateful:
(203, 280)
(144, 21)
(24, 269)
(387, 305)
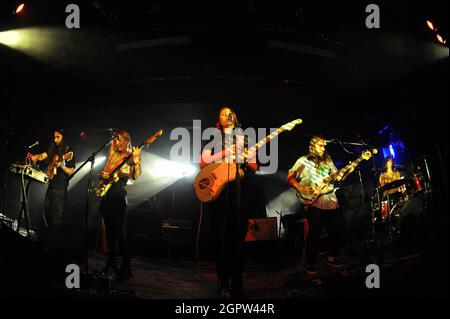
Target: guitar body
(213, 178)
(104, 187)
(319, 191)
(51, 170)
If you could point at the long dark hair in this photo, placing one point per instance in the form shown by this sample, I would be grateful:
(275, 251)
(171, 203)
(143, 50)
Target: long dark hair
(233, 113)
(58, 150)
(386, 160)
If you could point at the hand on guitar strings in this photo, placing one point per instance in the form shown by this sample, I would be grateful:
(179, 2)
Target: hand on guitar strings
(136, 155)
(307, 190)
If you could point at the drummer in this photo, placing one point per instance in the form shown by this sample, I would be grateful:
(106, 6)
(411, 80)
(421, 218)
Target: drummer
(389, 175)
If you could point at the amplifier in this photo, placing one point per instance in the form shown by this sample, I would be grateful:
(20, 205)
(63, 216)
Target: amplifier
(262, 229)
(176, 230)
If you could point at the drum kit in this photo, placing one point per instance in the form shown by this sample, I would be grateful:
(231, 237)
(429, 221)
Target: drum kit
(390, 199)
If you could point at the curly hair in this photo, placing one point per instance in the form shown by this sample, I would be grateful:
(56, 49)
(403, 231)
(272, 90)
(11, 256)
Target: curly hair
(312, 154)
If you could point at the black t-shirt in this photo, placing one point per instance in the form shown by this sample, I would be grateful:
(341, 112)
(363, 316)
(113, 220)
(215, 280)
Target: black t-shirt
(60, 179)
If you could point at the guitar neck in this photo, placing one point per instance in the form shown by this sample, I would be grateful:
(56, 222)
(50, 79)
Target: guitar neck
(252, 150)
(149, 141)
(348, 167)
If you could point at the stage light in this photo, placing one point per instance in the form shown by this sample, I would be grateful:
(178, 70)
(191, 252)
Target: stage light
(391, 150)
(165, 168)
(99, 160)
(386, 127)
(430, 25)
(20, 8)
(440, 39)
(9, 38)
(37, 42)
(158, 173)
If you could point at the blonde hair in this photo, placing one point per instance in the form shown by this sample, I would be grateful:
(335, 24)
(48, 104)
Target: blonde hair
(114, 155)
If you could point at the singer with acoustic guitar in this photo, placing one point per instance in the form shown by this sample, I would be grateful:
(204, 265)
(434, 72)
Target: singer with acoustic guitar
(228, 223)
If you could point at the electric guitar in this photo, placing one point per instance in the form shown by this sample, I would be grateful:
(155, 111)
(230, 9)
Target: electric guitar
(105, 184)
(326, 186)
(213, 178)
(52, 167)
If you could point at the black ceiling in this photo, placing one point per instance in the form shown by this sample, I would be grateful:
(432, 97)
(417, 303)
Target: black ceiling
(273, 62)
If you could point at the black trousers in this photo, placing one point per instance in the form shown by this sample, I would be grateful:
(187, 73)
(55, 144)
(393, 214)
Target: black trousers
(317, 220)
(51, 233)
(228, 227)
(55, 200)
(112, 209)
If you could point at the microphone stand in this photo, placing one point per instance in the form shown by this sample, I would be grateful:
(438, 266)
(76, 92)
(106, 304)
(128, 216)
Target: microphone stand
(237, 129)
(88, 197)
(378, 198)
(377, 214)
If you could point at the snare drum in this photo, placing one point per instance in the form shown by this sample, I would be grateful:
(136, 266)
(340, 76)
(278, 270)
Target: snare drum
(385, 209)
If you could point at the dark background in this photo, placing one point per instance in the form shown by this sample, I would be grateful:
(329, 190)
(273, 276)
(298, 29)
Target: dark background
(342, 79)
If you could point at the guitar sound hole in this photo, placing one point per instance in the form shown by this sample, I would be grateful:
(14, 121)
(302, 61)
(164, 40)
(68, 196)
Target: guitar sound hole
(204, 183)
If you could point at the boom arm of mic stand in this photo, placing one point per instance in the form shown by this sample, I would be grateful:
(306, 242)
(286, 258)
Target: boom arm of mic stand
(90, 158)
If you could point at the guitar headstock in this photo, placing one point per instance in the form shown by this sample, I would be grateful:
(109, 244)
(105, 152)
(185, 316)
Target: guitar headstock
(369, 153)
(154, 137)
(289, 126)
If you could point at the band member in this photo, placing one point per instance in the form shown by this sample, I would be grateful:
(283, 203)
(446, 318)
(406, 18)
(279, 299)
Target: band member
(306, 172)
(61, 164)
(228, 221)
(390, 174)
(114, 203)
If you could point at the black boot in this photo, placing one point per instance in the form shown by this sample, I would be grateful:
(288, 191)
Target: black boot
(223, 288)
(125, 270)
(237, 290)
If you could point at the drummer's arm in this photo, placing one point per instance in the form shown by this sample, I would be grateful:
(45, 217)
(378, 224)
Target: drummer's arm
(381, 180)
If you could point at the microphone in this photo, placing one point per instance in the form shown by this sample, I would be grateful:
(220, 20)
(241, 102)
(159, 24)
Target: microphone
(33, 145)
(332, 141)
(115, 134)
(230, 118)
